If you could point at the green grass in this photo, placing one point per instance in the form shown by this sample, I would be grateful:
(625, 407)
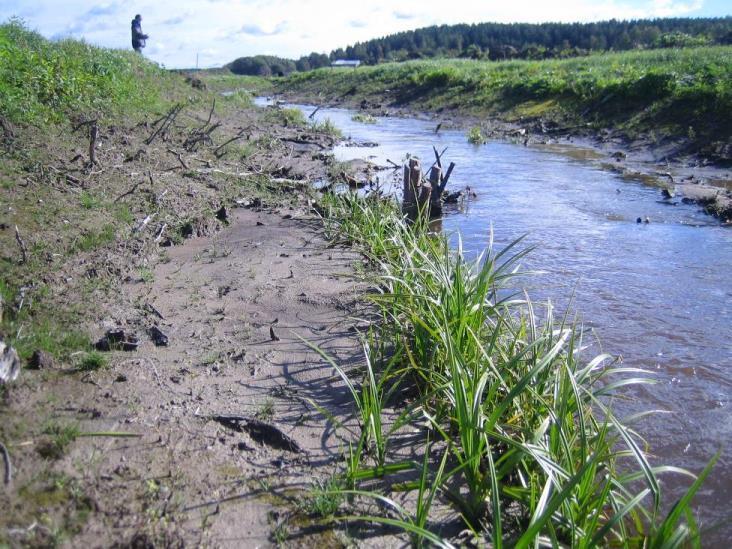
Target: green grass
(89, 201)
(324, 498)
(674, 88)
(286, 116)
(59, 437)
(94, 239)
(475, 136)
(532, 451)
(363, 118)
(239, 99)
(327, 127)
(92, 361)
(29, 324)
(266, 410)
(44, 81)
(147, 275)
(220, 80)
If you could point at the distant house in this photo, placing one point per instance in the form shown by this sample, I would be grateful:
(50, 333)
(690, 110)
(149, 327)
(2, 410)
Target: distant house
(346, 63)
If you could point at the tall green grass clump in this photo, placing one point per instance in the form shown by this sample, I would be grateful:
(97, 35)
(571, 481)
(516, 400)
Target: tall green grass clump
(44, 81)
(531, 451)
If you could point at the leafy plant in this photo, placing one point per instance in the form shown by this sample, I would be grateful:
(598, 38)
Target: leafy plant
(364, 118)
(539, 455)
(475, 136)
(93, 360)
(327, 127)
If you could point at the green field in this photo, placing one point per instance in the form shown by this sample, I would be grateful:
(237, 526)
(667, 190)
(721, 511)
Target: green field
(676, 92)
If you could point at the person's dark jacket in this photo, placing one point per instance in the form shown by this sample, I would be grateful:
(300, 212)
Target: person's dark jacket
(138, 38)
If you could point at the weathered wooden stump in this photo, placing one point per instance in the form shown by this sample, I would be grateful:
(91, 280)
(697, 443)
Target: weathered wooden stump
(417, 191)
(436, 195)
(424, 196)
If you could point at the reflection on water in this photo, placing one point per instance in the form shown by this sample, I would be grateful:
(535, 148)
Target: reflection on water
(660, 294)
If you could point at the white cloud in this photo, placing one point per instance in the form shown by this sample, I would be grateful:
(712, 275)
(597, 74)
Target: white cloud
(221, 30)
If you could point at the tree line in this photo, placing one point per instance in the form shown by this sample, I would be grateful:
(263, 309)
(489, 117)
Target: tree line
(498, 41)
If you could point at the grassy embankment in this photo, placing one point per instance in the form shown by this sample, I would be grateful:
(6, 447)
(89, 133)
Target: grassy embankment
(518, 437)
(43, 85)
(680, 93)
(70, 213)
(46, 89)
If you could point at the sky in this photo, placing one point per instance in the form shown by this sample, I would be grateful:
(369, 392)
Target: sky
(215, 32)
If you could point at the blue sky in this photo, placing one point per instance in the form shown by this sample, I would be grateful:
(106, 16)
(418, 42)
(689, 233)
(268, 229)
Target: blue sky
(219, 31)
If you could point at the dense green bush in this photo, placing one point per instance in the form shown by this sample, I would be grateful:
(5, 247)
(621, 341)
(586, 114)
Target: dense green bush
(262, 65)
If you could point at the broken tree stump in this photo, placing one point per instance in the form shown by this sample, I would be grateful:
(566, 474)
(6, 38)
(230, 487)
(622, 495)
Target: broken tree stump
(436, 194)
(417, 191)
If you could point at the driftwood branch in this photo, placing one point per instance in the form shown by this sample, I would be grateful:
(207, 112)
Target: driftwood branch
(447, 177)
(316, 110)
(72, 179)
(165, 125)
(128, 193)
(160, 233)
(143, 223)
(21, 245)
(240, 135)
(437, 157)
(179, 157)
(151, 308)
(83, 123)
(210, 114)
(202, 134)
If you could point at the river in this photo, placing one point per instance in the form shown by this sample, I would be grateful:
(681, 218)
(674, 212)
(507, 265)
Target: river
(658, 293)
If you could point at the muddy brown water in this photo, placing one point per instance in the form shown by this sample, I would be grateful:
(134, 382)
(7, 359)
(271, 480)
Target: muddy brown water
(659, 294)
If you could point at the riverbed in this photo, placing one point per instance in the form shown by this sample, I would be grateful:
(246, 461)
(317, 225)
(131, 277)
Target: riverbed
(658, 293)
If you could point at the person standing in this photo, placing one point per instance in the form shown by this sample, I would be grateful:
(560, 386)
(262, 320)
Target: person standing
(138, 38)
